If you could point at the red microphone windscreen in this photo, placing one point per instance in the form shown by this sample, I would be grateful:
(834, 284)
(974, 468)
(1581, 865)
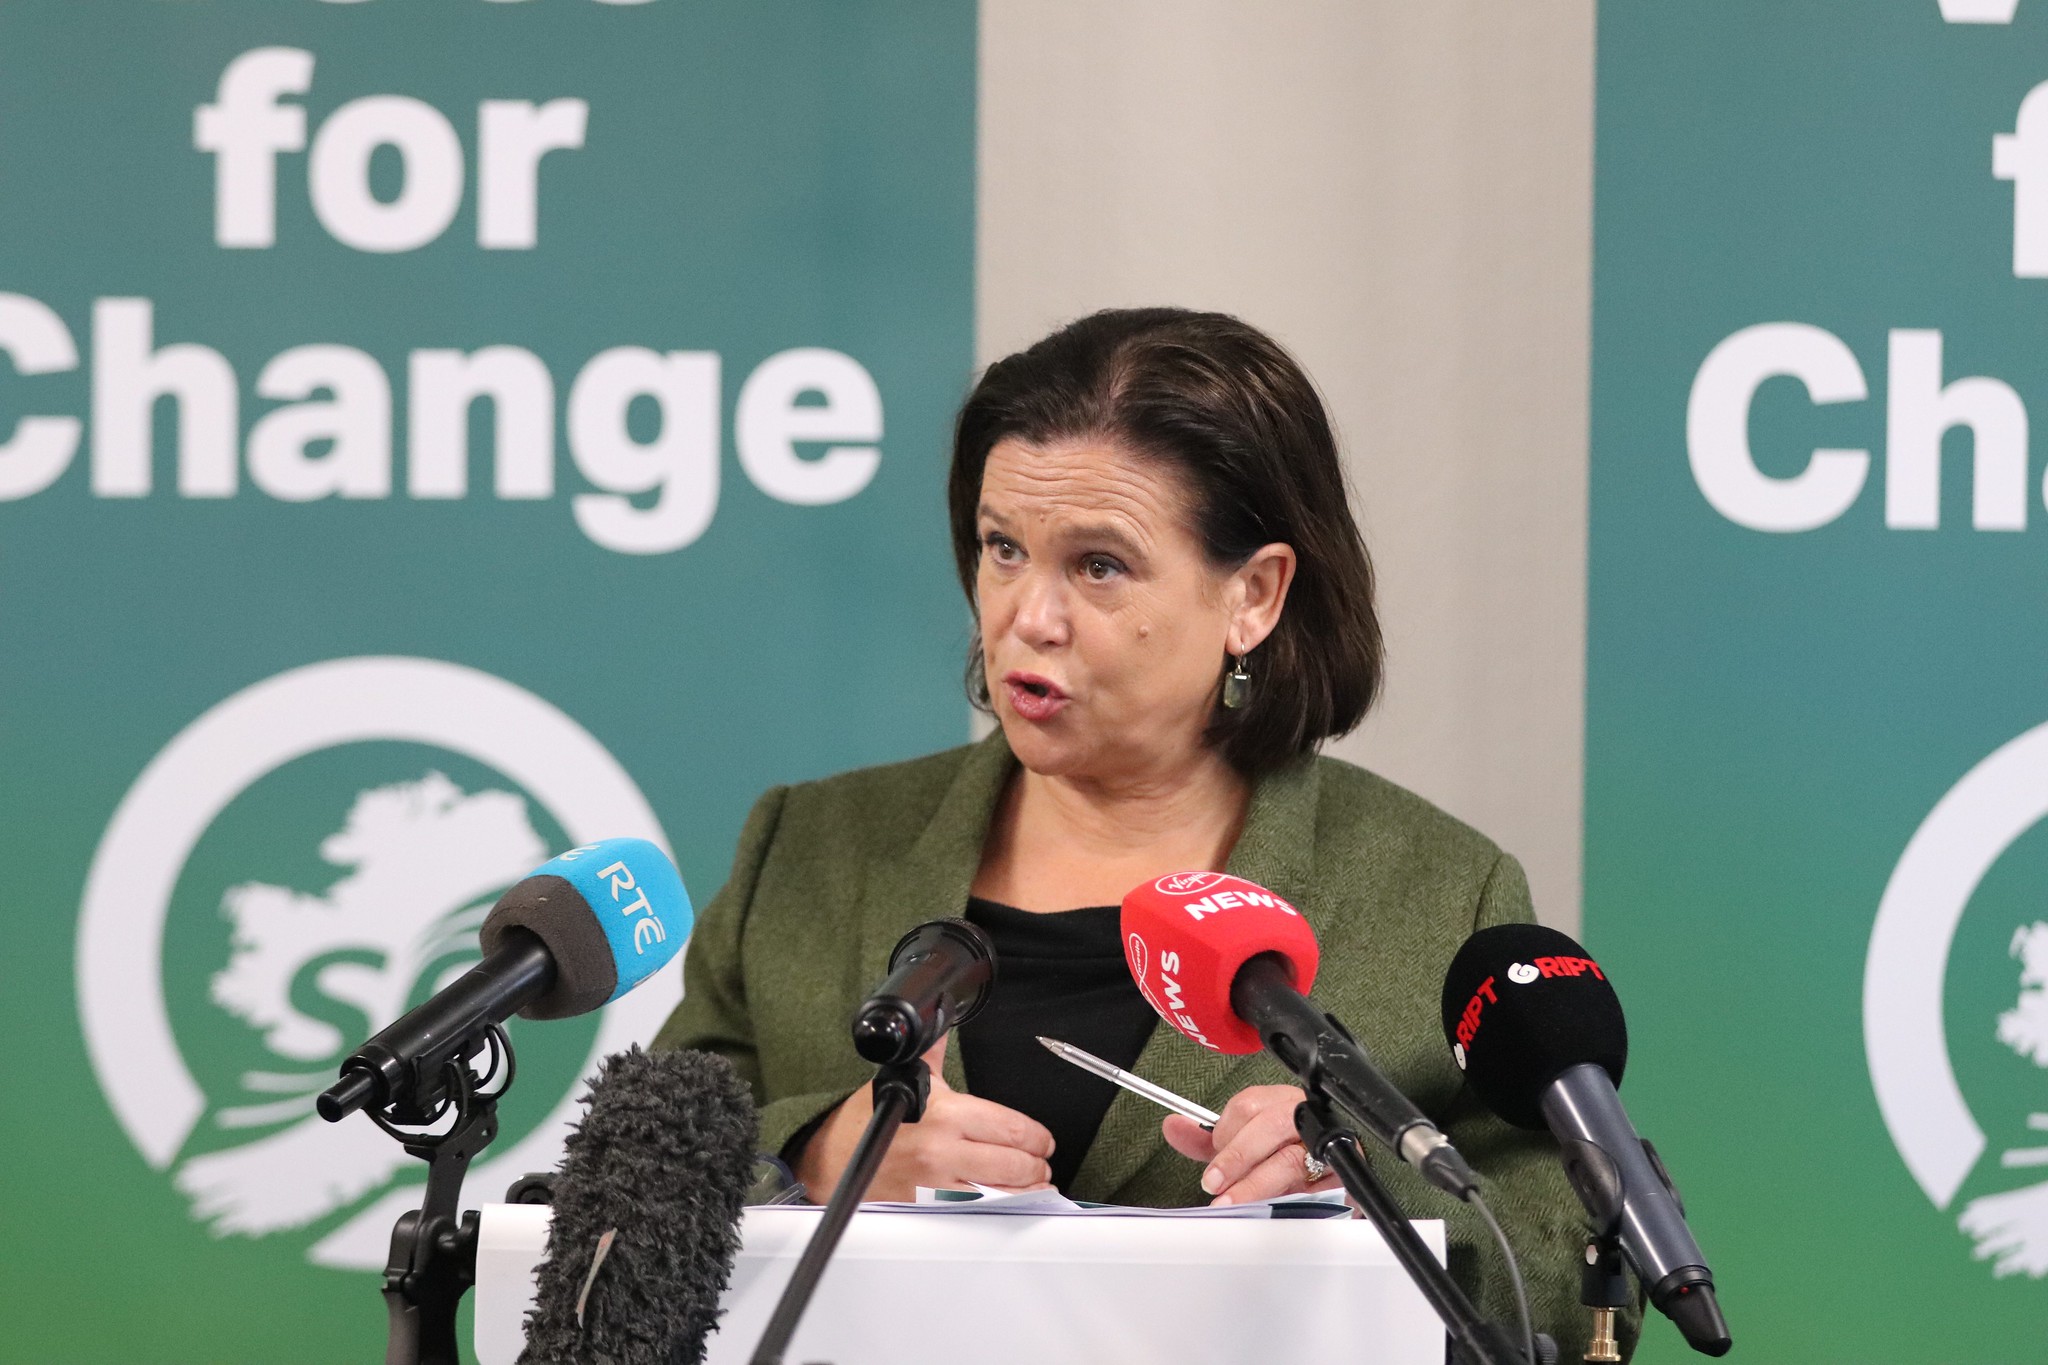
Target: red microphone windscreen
(1186, 935)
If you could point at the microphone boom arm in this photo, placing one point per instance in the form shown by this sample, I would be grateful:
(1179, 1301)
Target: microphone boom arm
(939, 978)
(901, 1089)
(1476, 1339)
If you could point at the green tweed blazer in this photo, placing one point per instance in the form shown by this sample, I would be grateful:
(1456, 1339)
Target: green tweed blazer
(830, 874)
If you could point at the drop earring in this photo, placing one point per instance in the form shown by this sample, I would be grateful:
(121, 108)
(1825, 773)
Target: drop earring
(1237, 686)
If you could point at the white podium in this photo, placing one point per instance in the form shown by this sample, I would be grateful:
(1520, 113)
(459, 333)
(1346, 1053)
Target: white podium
(921, 1289)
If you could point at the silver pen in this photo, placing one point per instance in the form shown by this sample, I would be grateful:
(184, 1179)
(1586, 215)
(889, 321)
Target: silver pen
(1137, 1085)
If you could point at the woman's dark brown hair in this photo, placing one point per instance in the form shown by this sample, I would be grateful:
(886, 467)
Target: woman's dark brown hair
(1223, 405)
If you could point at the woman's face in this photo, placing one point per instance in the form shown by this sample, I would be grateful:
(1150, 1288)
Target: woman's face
(1103, 626)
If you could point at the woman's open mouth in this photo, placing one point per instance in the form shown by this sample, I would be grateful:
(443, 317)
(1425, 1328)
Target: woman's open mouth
(1033, 697)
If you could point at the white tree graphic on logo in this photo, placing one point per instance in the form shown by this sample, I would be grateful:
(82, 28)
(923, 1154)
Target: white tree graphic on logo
(426, 860)
(2011, 1229)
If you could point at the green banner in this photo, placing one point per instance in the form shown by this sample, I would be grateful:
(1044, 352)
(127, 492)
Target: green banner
(430, 435)
(1817, 761)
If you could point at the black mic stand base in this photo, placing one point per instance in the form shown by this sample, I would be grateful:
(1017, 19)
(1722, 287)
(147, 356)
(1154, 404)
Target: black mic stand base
(1475, 1340)
(901, 1089)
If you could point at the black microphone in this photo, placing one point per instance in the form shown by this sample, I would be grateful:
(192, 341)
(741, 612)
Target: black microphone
(1539, 1031)
(939, 977)
(646, 1214)
(583, 930)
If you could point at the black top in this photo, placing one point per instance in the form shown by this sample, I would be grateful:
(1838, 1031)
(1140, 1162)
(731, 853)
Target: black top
(1061, 975)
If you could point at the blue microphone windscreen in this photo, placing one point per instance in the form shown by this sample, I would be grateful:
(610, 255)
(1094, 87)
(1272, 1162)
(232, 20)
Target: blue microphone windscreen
(612, 914)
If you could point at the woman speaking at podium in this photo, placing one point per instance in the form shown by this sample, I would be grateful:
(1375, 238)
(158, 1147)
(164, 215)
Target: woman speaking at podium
(1175, 607)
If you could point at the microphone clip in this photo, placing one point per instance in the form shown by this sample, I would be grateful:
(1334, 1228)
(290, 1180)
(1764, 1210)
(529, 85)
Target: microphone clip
(907, 1084)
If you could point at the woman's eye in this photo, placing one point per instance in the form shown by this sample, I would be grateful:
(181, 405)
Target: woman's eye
(1002, 549)
(1100, 568)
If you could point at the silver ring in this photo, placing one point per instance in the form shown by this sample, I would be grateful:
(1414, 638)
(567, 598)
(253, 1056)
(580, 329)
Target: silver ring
(1315, 1170)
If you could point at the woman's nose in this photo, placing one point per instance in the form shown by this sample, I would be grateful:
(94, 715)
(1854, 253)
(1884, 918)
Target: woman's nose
(1041, 619)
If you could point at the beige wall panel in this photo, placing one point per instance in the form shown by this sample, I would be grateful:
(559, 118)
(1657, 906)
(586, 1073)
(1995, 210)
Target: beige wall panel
(1399, 190)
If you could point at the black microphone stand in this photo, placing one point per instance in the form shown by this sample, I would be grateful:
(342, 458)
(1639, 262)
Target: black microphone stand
(900, 1090)
(1475, 1340)
(433, 1247)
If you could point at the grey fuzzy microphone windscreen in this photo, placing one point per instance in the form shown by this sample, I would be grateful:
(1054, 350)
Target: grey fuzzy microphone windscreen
(662, 1161)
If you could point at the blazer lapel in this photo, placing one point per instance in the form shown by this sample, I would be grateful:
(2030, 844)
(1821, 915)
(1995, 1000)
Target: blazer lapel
(931, 881)
(1276, 849)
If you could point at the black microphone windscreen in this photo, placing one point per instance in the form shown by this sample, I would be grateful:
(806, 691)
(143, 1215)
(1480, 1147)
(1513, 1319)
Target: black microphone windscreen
(662, 1160)
(1522, 1004)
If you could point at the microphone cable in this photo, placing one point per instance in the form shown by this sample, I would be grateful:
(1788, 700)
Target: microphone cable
(1478, 1201)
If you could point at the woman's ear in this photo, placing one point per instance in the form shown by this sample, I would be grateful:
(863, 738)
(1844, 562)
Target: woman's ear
(1263, 581)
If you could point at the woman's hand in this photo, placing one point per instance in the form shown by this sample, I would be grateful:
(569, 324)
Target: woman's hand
(960, 1140)
(1254, 1152)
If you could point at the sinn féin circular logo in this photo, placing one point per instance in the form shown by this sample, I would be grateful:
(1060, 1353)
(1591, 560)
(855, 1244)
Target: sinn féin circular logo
(298, 867)
(1955, 1004)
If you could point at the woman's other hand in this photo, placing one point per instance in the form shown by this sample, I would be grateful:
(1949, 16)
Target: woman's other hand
(1254, 1152)
(960, 1140)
